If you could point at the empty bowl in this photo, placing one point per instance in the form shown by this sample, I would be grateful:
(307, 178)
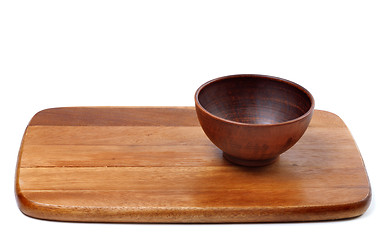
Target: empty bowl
(253, 118)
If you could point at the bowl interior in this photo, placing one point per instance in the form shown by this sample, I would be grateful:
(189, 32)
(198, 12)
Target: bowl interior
(254, 99)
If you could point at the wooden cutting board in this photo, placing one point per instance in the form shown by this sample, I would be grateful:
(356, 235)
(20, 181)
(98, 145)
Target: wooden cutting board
(155, 164)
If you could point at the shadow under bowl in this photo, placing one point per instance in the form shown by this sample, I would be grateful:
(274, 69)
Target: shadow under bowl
(253, 118)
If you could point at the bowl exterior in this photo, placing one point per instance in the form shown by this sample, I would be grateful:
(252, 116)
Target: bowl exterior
(249, 141)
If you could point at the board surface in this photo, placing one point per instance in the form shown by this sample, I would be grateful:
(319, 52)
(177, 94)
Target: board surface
(155, 164)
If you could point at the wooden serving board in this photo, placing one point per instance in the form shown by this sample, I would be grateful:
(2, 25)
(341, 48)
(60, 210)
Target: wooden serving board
(155, 164)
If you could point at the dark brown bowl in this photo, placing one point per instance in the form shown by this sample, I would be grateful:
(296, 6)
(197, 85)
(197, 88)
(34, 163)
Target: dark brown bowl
(253, 118)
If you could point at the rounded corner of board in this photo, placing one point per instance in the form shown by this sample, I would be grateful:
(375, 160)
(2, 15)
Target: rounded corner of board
(365, 202)
(26, 206)
(33, 209)
(356, 208)
(327, 119)
(328, 113)
(41, 116)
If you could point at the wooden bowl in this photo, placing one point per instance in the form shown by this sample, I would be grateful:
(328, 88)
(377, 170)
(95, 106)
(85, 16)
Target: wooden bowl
(253, 118)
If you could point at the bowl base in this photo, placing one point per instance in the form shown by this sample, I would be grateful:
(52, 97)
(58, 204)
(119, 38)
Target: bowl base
(249, 163)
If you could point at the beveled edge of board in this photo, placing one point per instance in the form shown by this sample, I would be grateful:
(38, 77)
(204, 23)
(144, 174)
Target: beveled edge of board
(177, 215)
(192, 214)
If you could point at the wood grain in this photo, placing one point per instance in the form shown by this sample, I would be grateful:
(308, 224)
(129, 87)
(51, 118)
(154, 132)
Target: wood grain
(125, 170)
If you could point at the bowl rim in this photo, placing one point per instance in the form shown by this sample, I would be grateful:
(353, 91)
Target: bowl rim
(311, 108)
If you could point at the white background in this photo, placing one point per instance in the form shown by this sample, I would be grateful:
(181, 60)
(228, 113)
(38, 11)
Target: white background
(157, 53)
